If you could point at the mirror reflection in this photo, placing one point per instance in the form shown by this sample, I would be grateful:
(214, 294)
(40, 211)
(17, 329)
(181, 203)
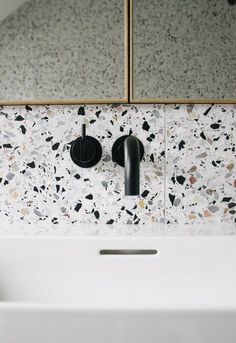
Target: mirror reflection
(184, 49)
(61, 49)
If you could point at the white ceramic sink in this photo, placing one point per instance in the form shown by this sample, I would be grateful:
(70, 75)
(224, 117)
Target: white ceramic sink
(62, 290)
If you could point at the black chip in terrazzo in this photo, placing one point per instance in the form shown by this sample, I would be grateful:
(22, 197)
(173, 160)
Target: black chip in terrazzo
(97, 214)
(172, 198)
(31, 164)
(202, 135)
(19, 118)
(110, 221)
(8, 146)
(89, 197)
(98, 113)
(215, 126)
(81, 111)
(78, 207)
(23, 129)
(226, 199)
(151, 137)
(207, 111)
(28, 108)
(146, 126)
(181, 179)
(145, 193)
(58, 178)
(55, 146)
(48, 139)
(216, 139)
(181, 144)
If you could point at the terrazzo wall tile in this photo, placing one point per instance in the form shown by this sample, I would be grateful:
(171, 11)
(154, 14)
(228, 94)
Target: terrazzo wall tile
(40, 183)
(63, 49)
(176, 42)
(200, 168)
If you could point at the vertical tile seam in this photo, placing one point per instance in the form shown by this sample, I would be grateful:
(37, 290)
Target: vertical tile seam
(165, 147)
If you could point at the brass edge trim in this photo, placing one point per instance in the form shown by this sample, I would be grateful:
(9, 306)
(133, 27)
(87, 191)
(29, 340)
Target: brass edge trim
(116, 101)
(182, 101)
(126, 49)
(131, 48)
(63, 102)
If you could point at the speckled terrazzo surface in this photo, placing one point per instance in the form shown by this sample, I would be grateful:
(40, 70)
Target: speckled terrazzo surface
(200, 164)
(41, 183)
(63, 49)
(187, 43)
(194, 184)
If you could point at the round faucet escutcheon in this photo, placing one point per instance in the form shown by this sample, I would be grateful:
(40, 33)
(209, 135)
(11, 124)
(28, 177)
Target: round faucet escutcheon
(85, 151)
(118, 150)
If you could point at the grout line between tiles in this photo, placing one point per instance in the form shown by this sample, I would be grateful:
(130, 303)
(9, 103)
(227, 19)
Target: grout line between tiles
(165, 147)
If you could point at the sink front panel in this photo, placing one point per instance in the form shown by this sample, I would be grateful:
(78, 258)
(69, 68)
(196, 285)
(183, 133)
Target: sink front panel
(64, 290)
(27, 325)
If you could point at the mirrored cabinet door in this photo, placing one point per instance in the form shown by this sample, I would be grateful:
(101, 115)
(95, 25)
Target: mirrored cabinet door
(184, 49)
(58, 50)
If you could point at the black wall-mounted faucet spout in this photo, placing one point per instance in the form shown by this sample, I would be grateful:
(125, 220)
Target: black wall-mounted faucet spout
(132, 168)
(128, 151)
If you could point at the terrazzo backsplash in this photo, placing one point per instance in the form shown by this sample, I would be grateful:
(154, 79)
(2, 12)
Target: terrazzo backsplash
(188, 173)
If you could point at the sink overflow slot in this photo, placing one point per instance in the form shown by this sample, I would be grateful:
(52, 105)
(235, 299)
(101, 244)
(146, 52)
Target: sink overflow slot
(128, 252)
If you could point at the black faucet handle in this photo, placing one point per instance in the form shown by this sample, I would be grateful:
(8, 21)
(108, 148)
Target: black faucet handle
(83, 131)
(86, 151)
